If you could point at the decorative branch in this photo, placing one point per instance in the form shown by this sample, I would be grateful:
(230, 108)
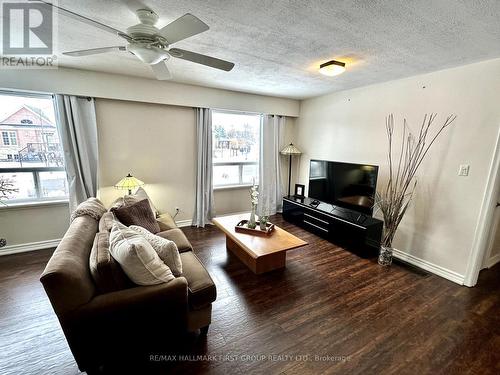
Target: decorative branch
(6, 188)
(395, 199)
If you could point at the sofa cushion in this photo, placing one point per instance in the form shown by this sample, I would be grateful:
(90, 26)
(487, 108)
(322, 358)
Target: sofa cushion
(138, 214)
(178, 237)
(166, 249)
(106, 222)
(166, 222)
(137, 257)
(105, 270)
(201, 288)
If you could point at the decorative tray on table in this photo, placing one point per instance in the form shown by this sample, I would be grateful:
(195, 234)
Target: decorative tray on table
(243, 228)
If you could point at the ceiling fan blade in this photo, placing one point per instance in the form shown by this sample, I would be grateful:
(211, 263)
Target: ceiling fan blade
(182, 28)
(79, 17)
(94, 51)
(201, 59)
(161, 71)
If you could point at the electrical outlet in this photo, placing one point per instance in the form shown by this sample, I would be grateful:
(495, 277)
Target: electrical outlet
(463, 170)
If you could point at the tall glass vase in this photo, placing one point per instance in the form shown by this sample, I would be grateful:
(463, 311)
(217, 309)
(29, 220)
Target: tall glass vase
(385, 256)
(252, 223)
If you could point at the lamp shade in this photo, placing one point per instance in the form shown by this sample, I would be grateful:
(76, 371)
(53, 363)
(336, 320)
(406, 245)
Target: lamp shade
(290, 150)
(128, 183)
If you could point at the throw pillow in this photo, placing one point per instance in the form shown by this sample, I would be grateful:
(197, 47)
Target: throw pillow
(106, 272)
(139, 195)
(137, 257)
(166, 249)
(138, 214)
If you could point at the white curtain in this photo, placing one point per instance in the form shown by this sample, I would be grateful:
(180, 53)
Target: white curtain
(78, 130)
(270, 183)
(204, 202)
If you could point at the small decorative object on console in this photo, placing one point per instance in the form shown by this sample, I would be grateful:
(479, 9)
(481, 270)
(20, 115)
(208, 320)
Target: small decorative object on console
(3, 242)
(299, 191)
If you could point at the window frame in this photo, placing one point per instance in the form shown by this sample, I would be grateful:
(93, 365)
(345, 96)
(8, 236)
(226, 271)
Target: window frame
(35, 171)
(240, 164)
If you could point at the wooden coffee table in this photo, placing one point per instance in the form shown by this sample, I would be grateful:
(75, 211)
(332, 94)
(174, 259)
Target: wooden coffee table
(260, 254)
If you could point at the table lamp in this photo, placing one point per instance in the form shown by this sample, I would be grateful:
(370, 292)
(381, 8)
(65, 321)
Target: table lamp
(290, 150)
(129, 182)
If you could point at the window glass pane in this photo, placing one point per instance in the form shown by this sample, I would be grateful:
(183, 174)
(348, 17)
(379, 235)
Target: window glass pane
(28, 128)
(250, 174)
(53, 184)
(23, 181)
(236, 147)
(226, 175)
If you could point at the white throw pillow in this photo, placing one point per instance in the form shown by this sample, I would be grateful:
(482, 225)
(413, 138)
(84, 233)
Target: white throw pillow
(166, 249)
(136, 256)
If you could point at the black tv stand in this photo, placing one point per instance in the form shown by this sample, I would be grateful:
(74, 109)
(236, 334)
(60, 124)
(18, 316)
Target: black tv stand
(342, 226)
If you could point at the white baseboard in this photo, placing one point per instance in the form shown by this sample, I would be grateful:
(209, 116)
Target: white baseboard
(183, 223)
(428, 266)
(30, 246)
(187, 223)
(492, 261)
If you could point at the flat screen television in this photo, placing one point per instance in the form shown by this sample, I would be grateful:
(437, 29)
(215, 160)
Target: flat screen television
(346, 185)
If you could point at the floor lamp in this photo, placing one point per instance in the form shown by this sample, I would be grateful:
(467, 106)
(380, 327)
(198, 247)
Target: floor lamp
(290, 150)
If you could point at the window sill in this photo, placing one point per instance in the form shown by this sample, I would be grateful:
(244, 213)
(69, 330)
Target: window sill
(232, 187)
(33, 204)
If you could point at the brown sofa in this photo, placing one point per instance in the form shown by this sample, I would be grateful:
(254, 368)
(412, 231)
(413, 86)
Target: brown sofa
(97, 325)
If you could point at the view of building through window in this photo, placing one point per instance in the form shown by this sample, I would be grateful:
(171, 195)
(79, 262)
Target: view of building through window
(236, 144)
(31, 155)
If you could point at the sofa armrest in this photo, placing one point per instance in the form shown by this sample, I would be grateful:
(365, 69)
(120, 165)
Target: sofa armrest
(169, 297)
(166, 222)
(111, 324)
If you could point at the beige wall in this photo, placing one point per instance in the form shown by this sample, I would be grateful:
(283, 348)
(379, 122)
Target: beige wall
(164, 159)
(350, 126)
(156, 143)
(25, 225)
(115, 86)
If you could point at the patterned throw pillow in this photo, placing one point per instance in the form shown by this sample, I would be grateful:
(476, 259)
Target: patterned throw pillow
(137, 258)
(128, 200)
(138, 214)
(166, 249)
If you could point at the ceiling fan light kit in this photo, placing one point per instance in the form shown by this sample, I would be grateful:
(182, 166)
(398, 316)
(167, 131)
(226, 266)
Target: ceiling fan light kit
(150, 44)
(147, 53)
(332, 68)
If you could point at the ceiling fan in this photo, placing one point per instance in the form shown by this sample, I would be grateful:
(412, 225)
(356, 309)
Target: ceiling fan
(148, 43)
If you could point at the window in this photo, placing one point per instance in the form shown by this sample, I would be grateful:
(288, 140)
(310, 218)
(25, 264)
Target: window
(31, 158)
(236, 145)
(9, 138)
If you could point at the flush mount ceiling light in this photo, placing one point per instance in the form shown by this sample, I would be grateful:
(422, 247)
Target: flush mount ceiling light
(332, 68)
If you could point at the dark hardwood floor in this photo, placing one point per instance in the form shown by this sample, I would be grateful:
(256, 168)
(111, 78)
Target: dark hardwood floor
(329, 311)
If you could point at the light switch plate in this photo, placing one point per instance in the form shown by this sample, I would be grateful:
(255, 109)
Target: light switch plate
(464, 170)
